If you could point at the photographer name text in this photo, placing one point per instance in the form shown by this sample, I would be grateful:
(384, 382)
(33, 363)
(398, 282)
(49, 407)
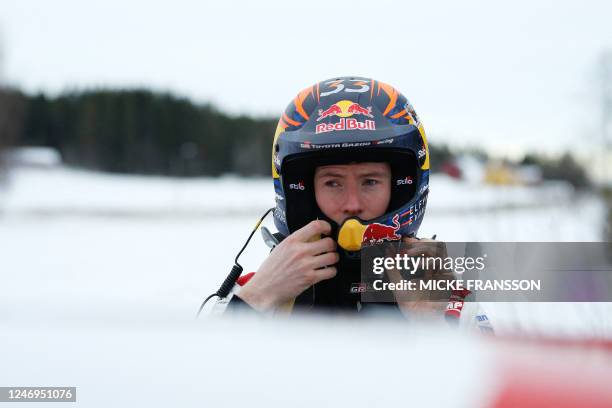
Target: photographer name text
(460, 284)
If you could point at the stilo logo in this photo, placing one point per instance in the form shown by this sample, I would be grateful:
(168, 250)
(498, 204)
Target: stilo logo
(298, 186)
(407, 180)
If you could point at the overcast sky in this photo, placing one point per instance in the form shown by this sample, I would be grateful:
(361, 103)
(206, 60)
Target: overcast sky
(508, 76)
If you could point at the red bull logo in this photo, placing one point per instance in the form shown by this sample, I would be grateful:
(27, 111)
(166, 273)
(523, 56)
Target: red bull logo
(344, 110)
(357, 109)
(333, 110)
(376, 233)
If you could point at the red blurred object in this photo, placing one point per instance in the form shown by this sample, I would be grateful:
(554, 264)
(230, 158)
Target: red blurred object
(242, 280)
(451, 169)
(558, 373)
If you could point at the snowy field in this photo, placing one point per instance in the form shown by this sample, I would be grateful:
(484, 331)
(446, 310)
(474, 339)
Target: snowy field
(77, 245)
(101, 276)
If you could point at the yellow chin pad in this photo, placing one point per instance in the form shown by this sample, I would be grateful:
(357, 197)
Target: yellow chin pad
(350, 235)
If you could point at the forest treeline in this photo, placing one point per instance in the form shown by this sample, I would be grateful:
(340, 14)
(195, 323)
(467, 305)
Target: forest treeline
(140, 131)
(146, 132)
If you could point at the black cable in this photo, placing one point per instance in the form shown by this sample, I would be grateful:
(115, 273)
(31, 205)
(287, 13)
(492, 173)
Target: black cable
(251, 235)
(204, 303)
(237, 269)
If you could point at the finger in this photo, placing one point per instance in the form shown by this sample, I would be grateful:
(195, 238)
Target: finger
(321, 246)
(431, 248)
(326, 259)
(411, 243)
(312, 229)
(414, 240)
(325, 273)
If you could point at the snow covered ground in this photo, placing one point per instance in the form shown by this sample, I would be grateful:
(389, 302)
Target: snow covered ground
(77, 245)
(101, 276)
(62, 191)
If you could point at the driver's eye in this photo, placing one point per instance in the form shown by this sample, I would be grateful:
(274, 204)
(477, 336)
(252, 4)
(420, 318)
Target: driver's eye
(332, 183)
(370, 182)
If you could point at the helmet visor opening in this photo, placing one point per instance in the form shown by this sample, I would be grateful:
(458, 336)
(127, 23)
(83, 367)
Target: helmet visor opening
(297, 175)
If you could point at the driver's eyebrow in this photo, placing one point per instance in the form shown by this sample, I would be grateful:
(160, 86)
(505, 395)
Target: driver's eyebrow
(375, 174)
(330, 173)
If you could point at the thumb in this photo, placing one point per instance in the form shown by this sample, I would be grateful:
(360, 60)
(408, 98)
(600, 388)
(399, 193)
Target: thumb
(312, 230)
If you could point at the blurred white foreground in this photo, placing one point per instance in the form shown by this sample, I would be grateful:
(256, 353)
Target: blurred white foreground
(299, 363)
(82, 245)
(102, 275)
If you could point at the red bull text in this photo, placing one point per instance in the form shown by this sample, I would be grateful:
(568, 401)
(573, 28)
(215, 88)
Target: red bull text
(345, 124)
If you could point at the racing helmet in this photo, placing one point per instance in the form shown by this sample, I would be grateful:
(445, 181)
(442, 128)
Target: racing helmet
(346, 120)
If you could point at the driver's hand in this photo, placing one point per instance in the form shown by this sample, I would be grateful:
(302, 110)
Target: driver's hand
(431, 304)
(298, 262)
